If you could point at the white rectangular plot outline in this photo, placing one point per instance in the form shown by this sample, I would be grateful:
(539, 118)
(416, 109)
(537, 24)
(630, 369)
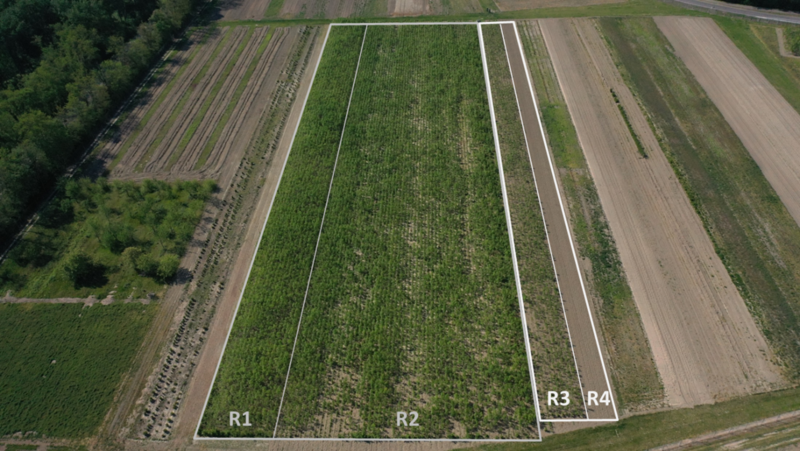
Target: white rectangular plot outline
(197, 437)
(569, 235)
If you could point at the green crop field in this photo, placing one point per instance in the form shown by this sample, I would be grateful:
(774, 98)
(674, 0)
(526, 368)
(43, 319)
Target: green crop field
(412, 303)
(753, 233)
(553, 362)
(61, 364)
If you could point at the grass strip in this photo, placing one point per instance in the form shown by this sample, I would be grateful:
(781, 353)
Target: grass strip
(632, 369)
(273, 9)
(212, 141)
(752, 232)
(633, 133)
(551, 349)
(165, 127)
(198, 118)
(657, 429)
(253, 368)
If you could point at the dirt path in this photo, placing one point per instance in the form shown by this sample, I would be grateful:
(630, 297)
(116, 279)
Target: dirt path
(587, 353)
(765, 122)
(203, 377)
(705, 343)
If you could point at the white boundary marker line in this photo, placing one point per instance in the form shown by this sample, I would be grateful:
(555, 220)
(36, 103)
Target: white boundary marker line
(546, 233)
(291, 144)
(571, 244)
(510, 231)
(362, 24)
(261, 236)
(319, 236)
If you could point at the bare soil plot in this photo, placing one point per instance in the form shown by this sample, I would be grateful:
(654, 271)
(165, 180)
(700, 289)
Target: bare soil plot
(516, 5)
(705, 343)
(409, 7)
(316, 9)
(765, 122)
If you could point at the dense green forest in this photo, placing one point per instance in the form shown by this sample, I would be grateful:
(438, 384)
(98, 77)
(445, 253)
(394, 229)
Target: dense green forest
(64, 66)
(788, 5)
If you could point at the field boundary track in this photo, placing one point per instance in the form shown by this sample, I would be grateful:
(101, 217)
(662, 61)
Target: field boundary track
(197, 437)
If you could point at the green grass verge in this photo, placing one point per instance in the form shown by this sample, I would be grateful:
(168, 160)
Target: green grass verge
(631, 366)
(212, 141)
(783, 73)
(553, 361)
(198, 118)
(753, 233)
(165, 127)
(100, 221)
(62, 364)
(254, 365)
(649, 431)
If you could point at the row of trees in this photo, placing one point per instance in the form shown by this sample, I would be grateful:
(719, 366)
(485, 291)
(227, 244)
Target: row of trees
(87, 70)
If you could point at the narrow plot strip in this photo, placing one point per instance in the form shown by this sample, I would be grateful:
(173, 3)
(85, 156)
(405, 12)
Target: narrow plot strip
(322, 223)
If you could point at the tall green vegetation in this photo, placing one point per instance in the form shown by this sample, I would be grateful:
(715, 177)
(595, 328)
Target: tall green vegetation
(62, 364)
(550, 342)
(256, 358)
(98, 236)
(86, 69)
(632, 369)
(413, 302)
(753, 233)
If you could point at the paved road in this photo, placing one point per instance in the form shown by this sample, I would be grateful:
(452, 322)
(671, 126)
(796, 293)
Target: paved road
(756, 13)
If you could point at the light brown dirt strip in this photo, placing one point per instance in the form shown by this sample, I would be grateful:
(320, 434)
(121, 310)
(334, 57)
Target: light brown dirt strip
(204, 374)
(409, 7)
(765, 122)
(190, 109)
(142, 142)
(587, 354)
(705, 343)
(258, 95)
(197, 142)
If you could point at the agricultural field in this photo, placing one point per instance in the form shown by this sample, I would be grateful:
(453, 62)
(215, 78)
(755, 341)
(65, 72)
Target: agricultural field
(62, 364)
(705, 343)
(752, 231)
(635, 378)
(396, 312)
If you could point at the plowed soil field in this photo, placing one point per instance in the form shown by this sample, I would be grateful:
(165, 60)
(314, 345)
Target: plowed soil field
(765, 122)
(705, 343)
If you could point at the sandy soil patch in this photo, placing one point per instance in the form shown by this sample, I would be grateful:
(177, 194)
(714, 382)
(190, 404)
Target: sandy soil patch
(705, 343)
(765, 122)
(516, 5)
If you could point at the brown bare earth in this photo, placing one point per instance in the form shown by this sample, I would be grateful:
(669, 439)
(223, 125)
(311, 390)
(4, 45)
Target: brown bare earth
(329, 9)
(243, 9)
(584, 345)
(705, 343)
(516, 5)
(765, 122)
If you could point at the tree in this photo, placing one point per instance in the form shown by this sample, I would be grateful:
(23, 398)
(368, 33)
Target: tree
(168, 266)
(81, 270)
